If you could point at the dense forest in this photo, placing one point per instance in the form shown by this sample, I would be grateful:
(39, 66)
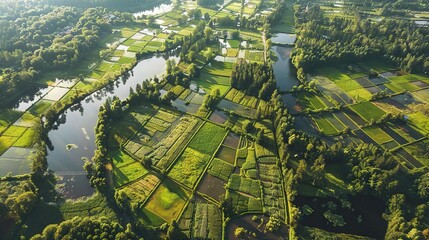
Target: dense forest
(319, 41)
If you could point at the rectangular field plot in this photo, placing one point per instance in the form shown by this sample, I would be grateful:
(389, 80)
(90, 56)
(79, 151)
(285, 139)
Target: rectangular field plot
(377, 134)
(129, 124)
(270, 176)
(211, 186)
(207, 222)
(189, 167)
(420, 151)
(166, 202)
(220, 169)
(219, 69)
(16, 161)
(227, 105)
(227, 154)
(310, 101)
(161, 140)
(201, 220)
(368, 111)
(408, 159)
(208, 138)
(126, 169)
(346, 120)
(137, 192)
(243, 202)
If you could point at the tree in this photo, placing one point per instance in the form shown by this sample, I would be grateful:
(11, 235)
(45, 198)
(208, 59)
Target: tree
(317, 170)
(302, 168)
(235, 34)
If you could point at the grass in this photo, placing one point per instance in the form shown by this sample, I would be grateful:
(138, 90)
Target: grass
(27, 139)
(420, 151)
(96, 205)
(324, 125)
(368, 111)
(6, 142)
(126, 169)
(220, 169)
(286, 22)
(310, 101)
(234, 43)
(208, 131)
(219, 68)
(377, 134)
(15, 131)
(167, 201)
(420, 121)
(209, 87)
(360, 94)
(189, 167)
(41, 107)
(209, 82)
(8, 116)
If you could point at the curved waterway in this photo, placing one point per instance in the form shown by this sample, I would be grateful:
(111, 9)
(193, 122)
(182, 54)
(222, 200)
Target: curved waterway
(73, 139)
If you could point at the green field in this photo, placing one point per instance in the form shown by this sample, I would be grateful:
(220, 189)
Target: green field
(325, 126)
(377, 134)
(368, 111)
(126, 169)
(208, 131)
(189, 167)
(167, 201)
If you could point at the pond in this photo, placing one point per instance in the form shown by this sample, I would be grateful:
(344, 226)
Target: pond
(76, 126)
(212, 186)
(283, 38)
(359, 215)
(284, 71)
(227, 154)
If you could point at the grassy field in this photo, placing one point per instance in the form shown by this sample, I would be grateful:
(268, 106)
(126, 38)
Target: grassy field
(167, 201)
(189, 167)
(368, 111)
(286, 22)
(377, 134)
(208, 131)
(96, 205)
(324, 125)
(126, 169)
(219, 68)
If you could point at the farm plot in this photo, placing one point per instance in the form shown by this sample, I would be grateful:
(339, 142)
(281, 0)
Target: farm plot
(95, 205)
(227, 154)
(219, 69)
(212, 187)
(166, 202)
(242, 203)
(227, 105)
(126, 169)
(310, 101)
(194, 159)
(368, 111)
(201, 220)
(129, 124)
(273, 194)
(207, 222)
(377, 134)
(220, 169)
(137, 192)
(209, 82)
(239, 97)
(324, 125)
(346, 120)
(420, 151)
(15, 160)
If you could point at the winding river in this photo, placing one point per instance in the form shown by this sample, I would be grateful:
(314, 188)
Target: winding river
(73, 139)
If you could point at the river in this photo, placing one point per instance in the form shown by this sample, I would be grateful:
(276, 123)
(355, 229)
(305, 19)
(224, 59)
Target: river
(77, 124)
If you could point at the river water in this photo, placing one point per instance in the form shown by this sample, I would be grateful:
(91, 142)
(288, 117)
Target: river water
(76, 128)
